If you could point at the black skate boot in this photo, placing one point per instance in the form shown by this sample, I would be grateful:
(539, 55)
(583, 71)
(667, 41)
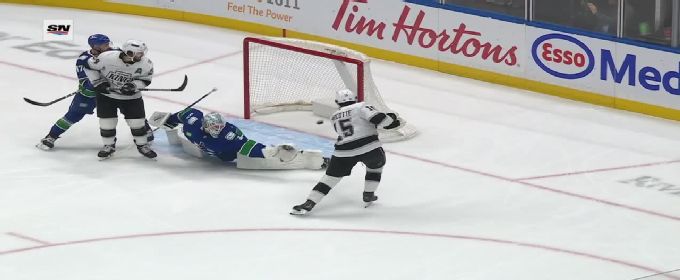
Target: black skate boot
(46, 143)
(303, 208)
(369, 197)
(106, 152)
(146, 151)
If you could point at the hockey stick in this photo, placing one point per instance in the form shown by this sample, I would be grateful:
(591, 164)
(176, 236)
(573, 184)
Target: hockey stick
(202, 97)
(51, 102)
(180, 88)
(192, 104)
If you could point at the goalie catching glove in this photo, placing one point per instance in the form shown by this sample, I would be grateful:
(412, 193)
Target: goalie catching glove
(160, 119)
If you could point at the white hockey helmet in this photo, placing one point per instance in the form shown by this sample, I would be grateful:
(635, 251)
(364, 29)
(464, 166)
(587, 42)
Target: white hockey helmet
(134, 49)
(345, 95)
(213, 123)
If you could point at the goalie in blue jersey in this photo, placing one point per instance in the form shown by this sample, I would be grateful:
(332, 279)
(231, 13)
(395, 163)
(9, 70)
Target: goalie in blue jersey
(211, 135)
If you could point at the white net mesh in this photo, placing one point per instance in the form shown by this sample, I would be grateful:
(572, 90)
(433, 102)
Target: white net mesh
(288, 74)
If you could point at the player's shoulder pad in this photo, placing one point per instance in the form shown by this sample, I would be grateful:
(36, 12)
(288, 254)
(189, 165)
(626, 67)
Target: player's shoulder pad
(84, 55)
(105, 57)
(146, 63)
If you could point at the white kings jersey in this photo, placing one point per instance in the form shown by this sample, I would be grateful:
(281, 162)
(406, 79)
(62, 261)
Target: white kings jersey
(108, 67)
(356, 134)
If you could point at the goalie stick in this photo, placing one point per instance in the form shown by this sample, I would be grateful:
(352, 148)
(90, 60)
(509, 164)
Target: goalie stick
(202, 97)
(186, 108)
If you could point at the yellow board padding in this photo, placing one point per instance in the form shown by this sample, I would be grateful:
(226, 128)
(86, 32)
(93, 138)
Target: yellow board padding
(459, 70)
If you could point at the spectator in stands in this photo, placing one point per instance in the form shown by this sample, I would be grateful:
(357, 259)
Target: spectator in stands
(597, 15)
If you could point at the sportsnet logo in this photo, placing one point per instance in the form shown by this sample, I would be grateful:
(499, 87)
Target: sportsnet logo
(58, 30)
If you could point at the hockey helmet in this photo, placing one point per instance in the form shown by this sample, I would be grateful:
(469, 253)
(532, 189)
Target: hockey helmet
(98, 39)
(344, 96)
(134, 49)
(213, 123)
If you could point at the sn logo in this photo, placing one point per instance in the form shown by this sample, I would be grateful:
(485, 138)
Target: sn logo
(59, 29)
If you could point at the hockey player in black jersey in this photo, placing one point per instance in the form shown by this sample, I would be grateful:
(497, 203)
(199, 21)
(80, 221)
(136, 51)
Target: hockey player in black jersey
(357, 126)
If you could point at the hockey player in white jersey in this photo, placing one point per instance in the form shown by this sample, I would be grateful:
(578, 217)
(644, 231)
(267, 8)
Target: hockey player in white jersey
(356, 124)
(117, 77)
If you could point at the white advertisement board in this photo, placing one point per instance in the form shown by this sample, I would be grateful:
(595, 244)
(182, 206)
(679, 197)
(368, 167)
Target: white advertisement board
(423, 31)
(567, 60)
(645, 75)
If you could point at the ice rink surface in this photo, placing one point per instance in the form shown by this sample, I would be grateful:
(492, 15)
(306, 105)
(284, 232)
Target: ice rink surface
(499, 184)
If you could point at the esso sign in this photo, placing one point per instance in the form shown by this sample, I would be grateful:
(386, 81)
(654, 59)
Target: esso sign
(563, 56)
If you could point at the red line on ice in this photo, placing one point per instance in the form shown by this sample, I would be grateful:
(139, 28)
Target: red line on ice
(367, 231)
(25, 237)
(599, 170)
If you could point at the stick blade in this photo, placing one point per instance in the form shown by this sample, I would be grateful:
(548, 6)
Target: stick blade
(35, 102)
(184, 84)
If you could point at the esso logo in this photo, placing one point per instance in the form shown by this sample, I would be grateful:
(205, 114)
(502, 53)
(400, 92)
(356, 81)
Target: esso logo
(563, 56)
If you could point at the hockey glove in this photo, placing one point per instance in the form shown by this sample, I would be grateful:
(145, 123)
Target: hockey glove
(163, 119)
(128, 89)
(102, 88)
(396, 123)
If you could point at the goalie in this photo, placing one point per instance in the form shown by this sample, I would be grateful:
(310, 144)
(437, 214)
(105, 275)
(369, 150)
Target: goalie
(211, 135)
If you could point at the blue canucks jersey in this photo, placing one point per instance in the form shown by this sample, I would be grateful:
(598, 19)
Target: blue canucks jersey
(85, 86)
(230, 142)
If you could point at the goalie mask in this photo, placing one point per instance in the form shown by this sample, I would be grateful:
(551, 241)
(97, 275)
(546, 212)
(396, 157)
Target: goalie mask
(213, 123)
(134, 49)
(344, 96)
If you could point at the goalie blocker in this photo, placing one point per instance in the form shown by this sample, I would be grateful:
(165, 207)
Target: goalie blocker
(211, 136)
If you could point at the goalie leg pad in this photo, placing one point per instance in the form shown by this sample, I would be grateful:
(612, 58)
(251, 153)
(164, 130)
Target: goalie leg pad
(176, 137)
(307, 159)
(188, 147)
(173, 137)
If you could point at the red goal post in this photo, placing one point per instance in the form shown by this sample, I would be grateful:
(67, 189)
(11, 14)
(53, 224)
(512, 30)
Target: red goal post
(283, 74)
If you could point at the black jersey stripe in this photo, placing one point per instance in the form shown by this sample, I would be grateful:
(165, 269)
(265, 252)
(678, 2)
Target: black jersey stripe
(357, 143)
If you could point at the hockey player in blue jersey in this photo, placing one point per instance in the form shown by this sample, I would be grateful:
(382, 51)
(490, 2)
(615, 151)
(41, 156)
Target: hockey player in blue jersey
(215, 137)
(84, 102)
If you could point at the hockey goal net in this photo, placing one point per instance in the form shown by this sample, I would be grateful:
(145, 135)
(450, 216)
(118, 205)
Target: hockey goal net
(282, 74)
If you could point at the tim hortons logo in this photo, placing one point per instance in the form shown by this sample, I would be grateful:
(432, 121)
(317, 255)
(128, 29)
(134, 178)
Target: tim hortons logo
(459, 40)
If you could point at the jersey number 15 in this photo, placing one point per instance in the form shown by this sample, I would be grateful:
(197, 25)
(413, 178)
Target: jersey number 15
(344, 126)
